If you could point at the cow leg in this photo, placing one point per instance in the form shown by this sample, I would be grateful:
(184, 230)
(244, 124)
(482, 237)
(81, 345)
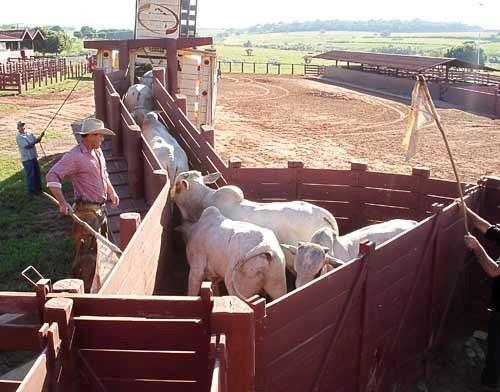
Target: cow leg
(197, 267)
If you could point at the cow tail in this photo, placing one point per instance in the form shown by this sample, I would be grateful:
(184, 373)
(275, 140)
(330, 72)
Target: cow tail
(256, 251)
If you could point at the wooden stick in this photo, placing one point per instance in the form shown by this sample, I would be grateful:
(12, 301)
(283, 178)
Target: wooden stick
(441, 129)
(87, 227)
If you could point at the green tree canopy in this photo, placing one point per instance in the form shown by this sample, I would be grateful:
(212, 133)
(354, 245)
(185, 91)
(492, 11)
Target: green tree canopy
(55, 41)
(87, 31)
(468, 51)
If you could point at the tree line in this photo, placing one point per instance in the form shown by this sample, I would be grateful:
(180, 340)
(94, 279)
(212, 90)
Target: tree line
(377, 25)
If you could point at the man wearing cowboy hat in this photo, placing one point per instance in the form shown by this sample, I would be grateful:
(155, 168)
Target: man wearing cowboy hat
(27, 142)
(86, 166)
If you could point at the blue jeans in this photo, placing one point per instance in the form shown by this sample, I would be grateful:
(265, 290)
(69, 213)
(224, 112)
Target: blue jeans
(33, 178)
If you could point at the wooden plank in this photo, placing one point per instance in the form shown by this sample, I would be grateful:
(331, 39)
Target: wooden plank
(309, 323)
(443, 188)
(388, 181)
(264, 176)
(37, 377)
(325, 192)
(134, 385)
(325, 177)
(19, 337)
(140, 334)
(139, 306)
(11, 302)
(384, 213)
(9, 385)
(155, 365)
(285, 309)
(388, 197)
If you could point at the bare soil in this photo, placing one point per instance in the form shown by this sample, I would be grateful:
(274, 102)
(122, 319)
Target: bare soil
(268, 120)
(36, 112)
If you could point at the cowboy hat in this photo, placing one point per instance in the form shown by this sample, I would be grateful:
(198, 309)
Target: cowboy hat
(93, 125)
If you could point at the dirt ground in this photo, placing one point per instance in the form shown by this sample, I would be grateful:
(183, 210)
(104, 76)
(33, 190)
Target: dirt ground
(36, 112)
(268, 120)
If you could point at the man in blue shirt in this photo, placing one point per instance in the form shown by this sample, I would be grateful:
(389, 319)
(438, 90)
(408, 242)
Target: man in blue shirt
(26, 142)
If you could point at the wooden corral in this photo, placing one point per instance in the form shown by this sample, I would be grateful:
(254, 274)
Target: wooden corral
(370, 325)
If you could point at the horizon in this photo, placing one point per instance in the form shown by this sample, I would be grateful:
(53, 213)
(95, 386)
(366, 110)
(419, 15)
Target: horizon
(120, 14)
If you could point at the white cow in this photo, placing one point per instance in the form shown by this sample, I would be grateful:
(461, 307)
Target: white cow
(147, 79)
(291, 222)
(326, 250)
(166, 148)
(248, 258)
(139, 100)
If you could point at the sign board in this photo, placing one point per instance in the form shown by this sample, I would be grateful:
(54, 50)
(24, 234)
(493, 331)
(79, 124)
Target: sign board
(157, 18)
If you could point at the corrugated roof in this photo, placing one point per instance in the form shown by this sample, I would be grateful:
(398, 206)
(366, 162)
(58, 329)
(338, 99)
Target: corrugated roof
(409, 63)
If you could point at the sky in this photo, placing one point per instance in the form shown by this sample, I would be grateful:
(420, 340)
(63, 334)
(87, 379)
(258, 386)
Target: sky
(244, 13)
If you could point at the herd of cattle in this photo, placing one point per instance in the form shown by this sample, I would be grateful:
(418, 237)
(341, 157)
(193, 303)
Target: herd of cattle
(246, 244)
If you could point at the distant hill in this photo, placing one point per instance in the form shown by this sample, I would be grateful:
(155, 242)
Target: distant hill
(382, 26)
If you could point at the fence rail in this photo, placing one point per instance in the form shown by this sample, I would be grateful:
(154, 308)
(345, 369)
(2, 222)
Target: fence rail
(270, 68)
(16, 74)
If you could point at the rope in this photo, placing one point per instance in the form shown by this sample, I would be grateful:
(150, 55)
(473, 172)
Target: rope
(57, 112)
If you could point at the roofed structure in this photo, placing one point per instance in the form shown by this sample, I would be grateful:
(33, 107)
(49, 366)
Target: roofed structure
(19, 38)
(397, 61)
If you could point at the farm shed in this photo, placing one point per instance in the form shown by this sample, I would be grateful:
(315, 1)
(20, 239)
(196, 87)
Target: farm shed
(370, 325)
(450, 79)
(18, 43)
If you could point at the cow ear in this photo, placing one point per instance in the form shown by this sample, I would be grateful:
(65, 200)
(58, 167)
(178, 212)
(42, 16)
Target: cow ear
(292, 249)
(211, 178)
(333, 261)
(326, 268)
(180, 185)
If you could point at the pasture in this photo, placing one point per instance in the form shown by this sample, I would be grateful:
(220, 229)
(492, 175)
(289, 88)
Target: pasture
(266, 120)
(291, 47)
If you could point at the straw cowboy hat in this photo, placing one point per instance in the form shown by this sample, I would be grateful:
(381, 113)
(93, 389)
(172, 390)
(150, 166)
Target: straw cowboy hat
(93, 125)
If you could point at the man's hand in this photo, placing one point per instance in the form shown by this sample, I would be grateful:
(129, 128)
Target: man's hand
(115, 200)
(65, 208)
(472, 243)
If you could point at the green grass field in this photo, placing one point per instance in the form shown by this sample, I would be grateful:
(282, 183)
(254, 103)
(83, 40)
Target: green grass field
(291, 47)
(32, 232)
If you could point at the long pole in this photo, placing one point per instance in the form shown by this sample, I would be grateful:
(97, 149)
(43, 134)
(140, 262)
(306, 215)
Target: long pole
(441, 129)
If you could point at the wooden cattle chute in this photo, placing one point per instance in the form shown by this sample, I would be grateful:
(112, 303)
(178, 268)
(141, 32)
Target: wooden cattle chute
(370, 325)
(270, 68)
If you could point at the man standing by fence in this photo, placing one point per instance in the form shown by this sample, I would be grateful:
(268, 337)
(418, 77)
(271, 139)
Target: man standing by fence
(86, 166)
(26, 142)
(489, 377)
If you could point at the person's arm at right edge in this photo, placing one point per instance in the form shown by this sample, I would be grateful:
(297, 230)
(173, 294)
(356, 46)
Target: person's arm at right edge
(489, 265)
(479, 223)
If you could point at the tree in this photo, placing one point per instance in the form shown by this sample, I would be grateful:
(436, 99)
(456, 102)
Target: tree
(467, 52)
(55, 41)
(87, 32)
(248, 44)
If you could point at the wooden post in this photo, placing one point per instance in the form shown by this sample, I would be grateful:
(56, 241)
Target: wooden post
(60, 311)
(172, 67)
(181, 102)
(357, 218)
(233, 165)
(258, 305)
(19, 83)
(129, 223)
(420, 174)
(135, 162)
(74, 286)
(159, 73)
(208, 134)
(297, 167)
(235, 318)
(99, 94)
(115, 123)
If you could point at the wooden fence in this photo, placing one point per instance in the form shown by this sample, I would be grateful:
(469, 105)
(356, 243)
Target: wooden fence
(270, 68)
(17, 74)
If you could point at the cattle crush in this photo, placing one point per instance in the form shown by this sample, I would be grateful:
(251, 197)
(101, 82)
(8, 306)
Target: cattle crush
(369, 325)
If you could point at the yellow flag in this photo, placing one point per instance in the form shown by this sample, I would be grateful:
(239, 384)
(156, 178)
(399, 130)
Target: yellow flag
(420, 115)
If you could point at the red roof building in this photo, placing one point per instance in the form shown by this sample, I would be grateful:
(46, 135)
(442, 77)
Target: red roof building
(19, 39)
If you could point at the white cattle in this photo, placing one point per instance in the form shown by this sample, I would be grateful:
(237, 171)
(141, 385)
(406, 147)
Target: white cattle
(166, 148)
(326, 250)
(291, 222)
(138, 100)
(147, 79)
(248, 257)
